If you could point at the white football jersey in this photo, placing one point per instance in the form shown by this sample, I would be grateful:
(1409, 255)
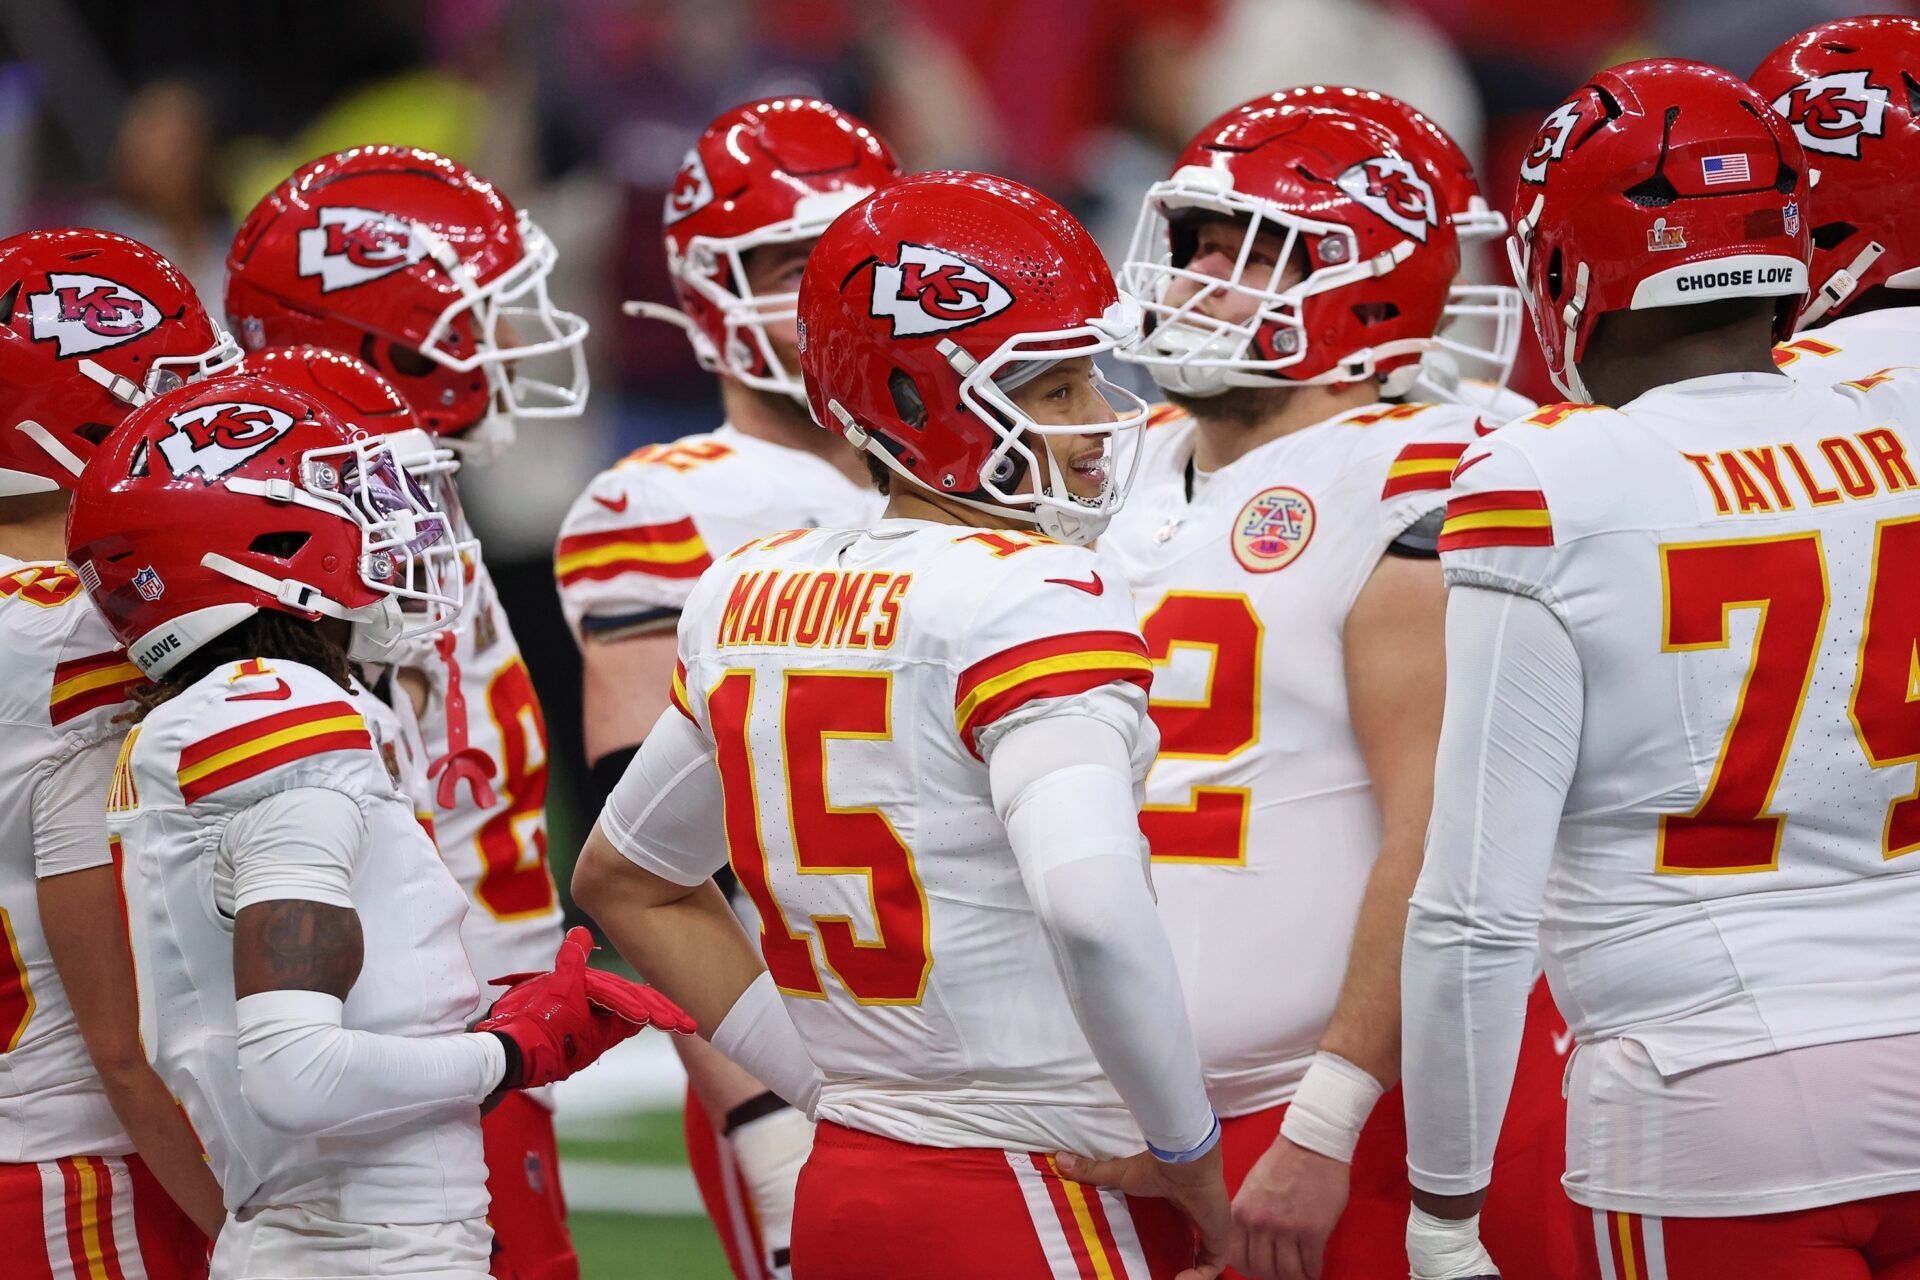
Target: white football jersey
(1260, 814)
(1852, 346)
(647, 527)
(66, 680)
(243, 733)
(1738, 864)
(846, 680)
(497, 851)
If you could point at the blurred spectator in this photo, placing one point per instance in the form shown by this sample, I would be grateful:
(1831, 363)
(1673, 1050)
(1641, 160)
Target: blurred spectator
(1262, 45)
(165, 191)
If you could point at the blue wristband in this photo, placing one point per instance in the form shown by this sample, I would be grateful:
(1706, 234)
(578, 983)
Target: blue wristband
(1192, 1153)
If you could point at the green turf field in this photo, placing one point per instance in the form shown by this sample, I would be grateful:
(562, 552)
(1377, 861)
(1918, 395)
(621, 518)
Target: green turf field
(618, 1246)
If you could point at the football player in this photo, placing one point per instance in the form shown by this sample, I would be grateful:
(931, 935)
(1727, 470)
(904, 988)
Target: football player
(754, 193)
(302, 983)
(417, 266)
(1678, 746)
(920, 746)
(1842, 85)
(93, 322)
(1280, 545)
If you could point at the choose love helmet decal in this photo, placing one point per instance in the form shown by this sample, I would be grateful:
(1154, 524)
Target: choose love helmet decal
(765, 173)
(1848, 90)
(1363, 229)
(923, 307)
(218, 499)
(91, 325)
(419, 267)
(1660, 183)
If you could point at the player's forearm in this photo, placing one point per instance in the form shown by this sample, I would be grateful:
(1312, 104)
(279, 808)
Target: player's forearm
(1365, 1026)
(1124, 985)
(305, 1073)
(166, 1143)
(1507, 754)
(685, 941)
(80, 912)
(1064, 789)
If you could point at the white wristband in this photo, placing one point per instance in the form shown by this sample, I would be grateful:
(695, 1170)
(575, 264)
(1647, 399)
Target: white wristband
(1330, 1107)
(1447, 1248)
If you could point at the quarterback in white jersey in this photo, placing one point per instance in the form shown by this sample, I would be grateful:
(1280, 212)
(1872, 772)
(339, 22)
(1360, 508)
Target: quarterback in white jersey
(919, 746)
(1280, 542)
(1679, 674)
(754, 192)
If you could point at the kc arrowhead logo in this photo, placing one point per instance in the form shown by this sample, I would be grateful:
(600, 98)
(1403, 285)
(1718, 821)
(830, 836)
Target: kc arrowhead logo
(84, 313)
(1391, 189)
(352, 246)
(930, 290)
(1831, 113)
(214, 439)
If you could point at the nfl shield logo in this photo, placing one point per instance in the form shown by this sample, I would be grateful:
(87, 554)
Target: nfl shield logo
(148, 584)
(1791, 217)
(1273, 529)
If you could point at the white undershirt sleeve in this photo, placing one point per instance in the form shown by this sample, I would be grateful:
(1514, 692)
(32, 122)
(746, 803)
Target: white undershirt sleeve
(1508, 746)
(1064, 787)
(301, 1070)
(665, 815)
(299, 843)
(70, 808)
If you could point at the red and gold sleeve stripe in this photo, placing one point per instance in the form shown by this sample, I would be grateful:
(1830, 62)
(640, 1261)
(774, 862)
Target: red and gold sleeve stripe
(86, 684)
(673, 550)
(1422, 466)
(247, 750)
(1160, 414)
(1499, 518)
(1055, 667)
(677, 691)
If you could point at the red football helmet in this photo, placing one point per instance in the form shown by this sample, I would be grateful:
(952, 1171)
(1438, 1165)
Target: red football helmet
(922, 307)
(423, 270)
(1361, 219)
(91, 324)
(766, 173)
(354, 392)
(216, 500)
(1848, 89)
(1660, 183)
(1495, 309)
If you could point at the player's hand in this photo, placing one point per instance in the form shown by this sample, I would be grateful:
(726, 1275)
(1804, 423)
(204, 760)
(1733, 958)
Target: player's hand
(1285, 1211)
(1198, 1189)
(562, 1021)
(1447, 1248)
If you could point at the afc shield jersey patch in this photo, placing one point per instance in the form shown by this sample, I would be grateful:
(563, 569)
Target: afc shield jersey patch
(1273, 529)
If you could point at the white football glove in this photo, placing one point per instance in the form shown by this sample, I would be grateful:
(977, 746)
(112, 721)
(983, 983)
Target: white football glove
(1447, 1248)
(770, 1151)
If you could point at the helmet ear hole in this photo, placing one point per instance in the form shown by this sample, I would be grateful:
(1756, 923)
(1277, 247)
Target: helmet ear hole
(906, 399)
(1554, 281)
(280, 546)
(1831, 235)
(407, 362)
(7, 300)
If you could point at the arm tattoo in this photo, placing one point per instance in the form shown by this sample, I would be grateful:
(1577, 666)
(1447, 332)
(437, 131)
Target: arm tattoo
(293, 944)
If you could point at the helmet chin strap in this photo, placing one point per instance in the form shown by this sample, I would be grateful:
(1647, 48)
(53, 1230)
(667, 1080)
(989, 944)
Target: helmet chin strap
(1841, 284)
(1570, 382)
(377, 628)
(51, 445)
(1062, 526)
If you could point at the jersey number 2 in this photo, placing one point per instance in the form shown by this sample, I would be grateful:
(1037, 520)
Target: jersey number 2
(827, 840)
(1210, 829)
(1785, 578)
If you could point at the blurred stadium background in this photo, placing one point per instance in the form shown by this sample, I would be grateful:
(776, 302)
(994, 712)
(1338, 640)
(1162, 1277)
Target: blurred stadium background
(168, 120)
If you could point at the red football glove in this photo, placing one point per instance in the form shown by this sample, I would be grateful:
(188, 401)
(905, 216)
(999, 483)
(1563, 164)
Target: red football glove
(559, 1022)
